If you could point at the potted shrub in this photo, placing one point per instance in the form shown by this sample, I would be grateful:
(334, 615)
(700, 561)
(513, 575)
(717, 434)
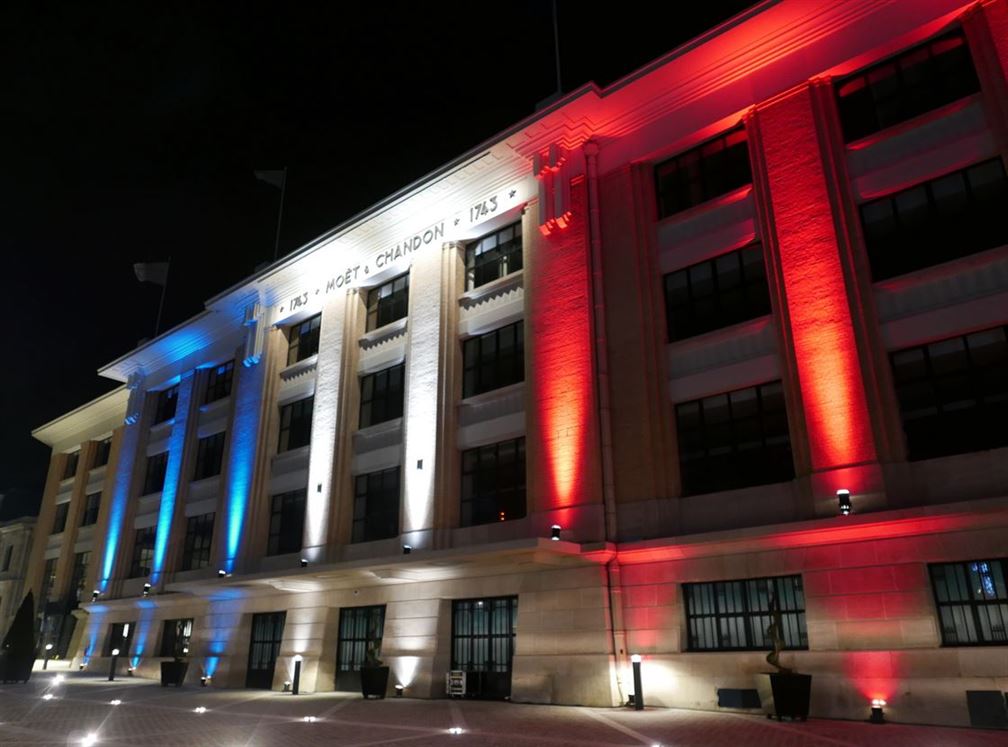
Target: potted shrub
(783, 693)
(373, 674)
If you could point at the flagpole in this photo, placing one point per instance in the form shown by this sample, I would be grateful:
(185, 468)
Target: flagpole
(283, 192)
(164, 289)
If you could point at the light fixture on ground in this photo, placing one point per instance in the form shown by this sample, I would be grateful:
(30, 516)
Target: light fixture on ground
(146, 589)
(638, 701)
(286, 686)
(112, 664)
(199, 709)
(89, 739)
(555, 532)
(80, 667)
(58, 679)
(115, 702)
(129, 671)
(47, 696)
(844, 502)
(455, 730)
(221, 573)
(407, 549)
(877, 715)
(45, 657)
(94, 595)
(204, 680)
(297, 674)
(399, 691)
(304, 562)
(310, 719)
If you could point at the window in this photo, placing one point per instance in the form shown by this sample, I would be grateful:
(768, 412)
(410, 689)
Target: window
(102, 452)
(120, 636)
(972, 602)
(953, 394)
(198, 538)
(219, 382)
(295, 424)
(286, 528)
(493, 360)
(483, 634)
(716, 293)
(79, 574)
(382, 396)
(91, 505)
(493, 256)
(360, 629)
(703, 173)
(154, 476)
(175, 636)
(388, 302)
(903, 87)
(48, 581)
(303, 339)
(60, 517)
(8, 555)
(493, 483)
(209, 452)
(735, 615)
(376, 506)
(164, 409)
(70, 466)
(953, 216)
(143, 552)
(734, 440)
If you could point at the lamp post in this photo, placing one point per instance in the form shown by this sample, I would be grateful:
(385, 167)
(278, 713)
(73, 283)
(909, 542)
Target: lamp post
(45, 656)
(112, 665)
(638, 701)
(297, 675)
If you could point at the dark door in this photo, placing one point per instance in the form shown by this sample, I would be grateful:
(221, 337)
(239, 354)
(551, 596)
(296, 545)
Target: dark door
(360, 628)
(267, 633)
(483, 634)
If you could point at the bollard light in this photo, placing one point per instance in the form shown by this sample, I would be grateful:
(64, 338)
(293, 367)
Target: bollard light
(555, 532)
(297, 675)
(638, 701)
(407, 549)
(844, 502)
(45, 657)
(877, 715)
(146, 590)
(399, 691)
(112, 665)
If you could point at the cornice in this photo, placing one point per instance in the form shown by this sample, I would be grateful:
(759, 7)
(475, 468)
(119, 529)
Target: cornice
(92, 419)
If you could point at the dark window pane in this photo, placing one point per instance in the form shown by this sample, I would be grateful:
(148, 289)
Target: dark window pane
(376, 506)
(381, 396)
(286, 529)
(303, 339)
(164, 408)
(295, 424)
(198, 539)
(735, 615)
(972, 602)
(209, 455)
(493, 360)
(388, 302)
(154, 476)
(219, 382)
(703, 173)
(143, 552)
(493, 483)
(92, 504)
(493, 256)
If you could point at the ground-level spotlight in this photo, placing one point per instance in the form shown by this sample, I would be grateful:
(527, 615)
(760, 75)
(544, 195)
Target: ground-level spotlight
(399, 691)
(555, 532)
(407, 549)
(304, 562)
(146, 590)
(199, 709)
(115, 702)
(877, 716)
(80, 667)
(286, 686)
(638, 701)
(204, 680)
(129, 671)
(94, 595)
(844, 502)
(89, 739)
(58, 679)
(310, 719)
(455, 730)
(221, 573)
(47, 696)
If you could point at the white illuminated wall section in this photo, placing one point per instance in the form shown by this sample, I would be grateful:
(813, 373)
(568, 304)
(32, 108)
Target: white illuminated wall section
(325, 416)
(420, 416)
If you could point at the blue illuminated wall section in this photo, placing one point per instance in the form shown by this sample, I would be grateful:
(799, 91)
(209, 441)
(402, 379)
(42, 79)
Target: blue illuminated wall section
(241, 458)
(173, 473)
(120, 494)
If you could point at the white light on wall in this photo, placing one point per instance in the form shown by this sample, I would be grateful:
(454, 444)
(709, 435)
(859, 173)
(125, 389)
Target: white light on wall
(89, 739)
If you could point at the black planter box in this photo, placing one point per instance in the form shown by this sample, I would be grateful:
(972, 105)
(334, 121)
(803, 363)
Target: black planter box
(373, 681)
(785, 695)
(173, 673)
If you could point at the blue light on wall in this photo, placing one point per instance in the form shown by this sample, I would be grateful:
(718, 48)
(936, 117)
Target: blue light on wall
(117, 506)
(173, 471)
(241, 460)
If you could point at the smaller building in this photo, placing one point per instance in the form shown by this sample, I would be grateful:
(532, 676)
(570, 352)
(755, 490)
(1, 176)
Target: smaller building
(15, 549)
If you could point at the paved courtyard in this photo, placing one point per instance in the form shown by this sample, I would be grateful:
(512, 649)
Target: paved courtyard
(150, 715)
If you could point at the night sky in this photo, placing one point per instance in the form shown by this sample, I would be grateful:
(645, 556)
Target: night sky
(130, 132)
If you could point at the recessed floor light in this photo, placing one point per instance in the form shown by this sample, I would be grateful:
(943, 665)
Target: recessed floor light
(310, 719)
(199, 709)
(89, 739)
(47, 696)
(455, 730)
(115, 702)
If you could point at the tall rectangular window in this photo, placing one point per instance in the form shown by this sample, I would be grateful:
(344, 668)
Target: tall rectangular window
(483, 637)
(175, 637)
(734, 440)
(143, 552)
(78, 575)
(939, 220)
(709, 170)
(376, 506)
(198, 539)
(900, 88)
(360, 630)
(154, 475)
(716, 293)
(92, 504)
(493, 256)
(303, 339)
(493, 360)
(388, 302)
(953, 394)
(735, 615)
(286, 529)
(164, 408)
(7, 557)
(382, 396)
(60, 517)
(219, 382)
(48, 580)
(972, 602)
(102, 452)
(209, 454)
(70, 466)
(493, 482)
(295, 424)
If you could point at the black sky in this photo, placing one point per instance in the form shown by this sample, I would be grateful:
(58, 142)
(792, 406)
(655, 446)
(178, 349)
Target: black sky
(130, 131)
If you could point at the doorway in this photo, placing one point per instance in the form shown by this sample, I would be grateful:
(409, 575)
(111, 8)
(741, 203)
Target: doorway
(264, 647)
(483, 636)
(360, 628)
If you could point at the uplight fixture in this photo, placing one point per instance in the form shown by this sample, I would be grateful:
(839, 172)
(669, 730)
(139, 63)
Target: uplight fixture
(47, 696)
(455, 730)
(146, 589)
(877, 715)
(555, 532)
(115, 702)
(844, 502)
(310, 719)
(199, 709)
(407, 549)
(304, 562)
(399, 691)
(94, 595)
(221, 573)
(89, 739)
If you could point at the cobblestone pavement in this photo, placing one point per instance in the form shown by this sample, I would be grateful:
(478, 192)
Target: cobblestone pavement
(149, 715)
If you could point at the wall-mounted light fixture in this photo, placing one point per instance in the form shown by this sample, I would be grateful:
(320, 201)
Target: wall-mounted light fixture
(555, 532)
(877, 715)
(407, 549)
(844, 502)
(304, 562)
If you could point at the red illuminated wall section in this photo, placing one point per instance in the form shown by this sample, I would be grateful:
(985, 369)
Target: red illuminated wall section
(832, 391)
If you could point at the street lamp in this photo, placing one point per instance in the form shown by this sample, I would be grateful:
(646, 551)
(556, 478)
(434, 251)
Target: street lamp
(112, 665)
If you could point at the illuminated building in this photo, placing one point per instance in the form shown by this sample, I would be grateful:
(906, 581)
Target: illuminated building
(676, 318)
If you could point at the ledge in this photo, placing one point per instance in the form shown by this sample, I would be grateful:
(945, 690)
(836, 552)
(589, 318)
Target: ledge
(383, 334)
(300, 368)
(493, 289)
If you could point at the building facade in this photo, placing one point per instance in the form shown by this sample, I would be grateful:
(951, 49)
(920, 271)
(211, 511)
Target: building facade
(724, 338)
(15, 549)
